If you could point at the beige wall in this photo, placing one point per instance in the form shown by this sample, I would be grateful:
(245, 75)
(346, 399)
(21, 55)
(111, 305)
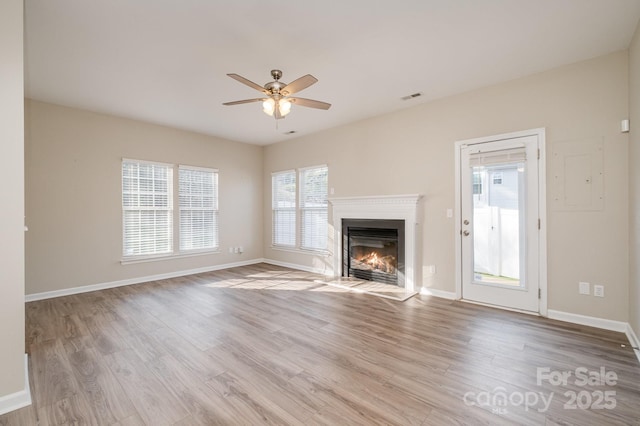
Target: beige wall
(412, 151)
(73, 181)
(73, 201)
(12, 196)
(634, 182)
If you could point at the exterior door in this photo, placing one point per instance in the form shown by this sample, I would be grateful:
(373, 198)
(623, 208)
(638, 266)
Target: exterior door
(499, 228)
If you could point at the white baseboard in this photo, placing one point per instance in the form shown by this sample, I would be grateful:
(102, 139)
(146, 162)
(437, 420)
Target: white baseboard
(19, 399)
(633, 339)
(324, 272)
(451, 295)
(605, 324)
(138, 280)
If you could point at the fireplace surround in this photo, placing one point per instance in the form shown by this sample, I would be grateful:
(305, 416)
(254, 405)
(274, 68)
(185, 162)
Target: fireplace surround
(388, 207)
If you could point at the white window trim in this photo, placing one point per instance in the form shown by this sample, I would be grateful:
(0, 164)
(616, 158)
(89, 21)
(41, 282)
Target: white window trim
(125, 260)
(185, 252)
(131, 260)
(300, 211)
(157, 163)
(285, 247)
(297, 248)
(317, 166)
(170, 195)
(176, 253)
(204, 169)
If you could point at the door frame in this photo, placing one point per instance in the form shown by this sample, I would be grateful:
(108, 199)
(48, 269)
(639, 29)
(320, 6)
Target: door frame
(542, 209)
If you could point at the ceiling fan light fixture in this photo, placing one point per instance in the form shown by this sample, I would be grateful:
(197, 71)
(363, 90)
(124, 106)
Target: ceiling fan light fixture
(277, 102)
(268, 106)
(285, 106)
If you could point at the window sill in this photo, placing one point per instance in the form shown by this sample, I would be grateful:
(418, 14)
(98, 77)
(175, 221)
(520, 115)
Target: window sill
(323, 253)
(144, 259)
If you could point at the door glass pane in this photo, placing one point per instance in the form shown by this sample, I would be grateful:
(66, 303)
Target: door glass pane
(498, 224)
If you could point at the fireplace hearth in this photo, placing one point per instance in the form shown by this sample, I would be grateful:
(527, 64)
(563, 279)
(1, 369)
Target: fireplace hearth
(373, 249)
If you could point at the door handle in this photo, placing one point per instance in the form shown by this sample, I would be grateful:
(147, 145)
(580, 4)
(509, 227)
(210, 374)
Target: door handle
(465, 233)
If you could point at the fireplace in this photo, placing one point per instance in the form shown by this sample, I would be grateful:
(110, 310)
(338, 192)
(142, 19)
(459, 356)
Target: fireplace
(403, 208)
(374, 250)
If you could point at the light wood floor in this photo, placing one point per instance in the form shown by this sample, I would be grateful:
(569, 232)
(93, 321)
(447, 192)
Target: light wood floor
(268, 345)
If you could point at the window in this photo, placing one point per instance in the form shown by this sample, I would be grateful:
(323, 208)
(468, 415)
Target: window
(148, 202)
(283, 187)
(198, 203)
(497, 178)
(147, 208)
(477, 183)
(308, 214)
(313, 208)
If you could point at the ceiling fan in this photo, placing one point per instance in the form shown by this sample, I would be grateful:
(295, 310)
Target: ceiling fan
(277, 101)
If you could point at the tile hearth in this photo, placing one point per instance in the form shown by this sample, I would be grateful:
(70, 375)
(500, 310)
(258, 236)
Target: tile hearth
(387, 291)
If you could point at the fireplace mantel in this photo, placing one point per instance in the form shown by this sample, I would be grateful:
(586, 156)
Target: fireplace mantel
(403, 207)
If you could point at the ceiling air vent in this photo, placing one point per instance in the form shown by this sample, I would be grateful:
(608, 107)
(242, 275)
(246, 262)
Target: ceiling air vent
(415, 95)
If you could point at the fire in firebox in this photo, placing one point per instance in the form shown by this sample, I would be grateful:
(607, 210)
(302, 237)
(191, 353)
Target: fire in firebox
(374, 262)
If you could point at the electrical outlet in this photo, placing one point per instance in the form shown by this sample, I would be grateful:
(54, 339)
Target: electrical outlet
(598, 290)
(230, 249)
(584, 288)
(240, 249)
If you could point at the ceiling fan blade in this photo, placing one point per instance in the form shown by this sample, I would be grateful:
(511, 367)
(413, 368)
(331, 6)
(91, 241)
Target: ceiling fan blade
(249, 83)
(244, 101)
(310, 103)
(299, 84)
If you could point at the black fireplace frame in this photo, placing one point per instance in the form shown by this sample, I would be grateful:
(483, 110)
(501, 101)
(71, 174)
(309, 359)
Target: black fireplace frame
(349, 225)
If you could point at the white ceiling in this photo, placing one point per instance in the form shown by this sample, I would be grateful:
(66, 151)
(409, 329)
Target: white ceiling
(165, 61)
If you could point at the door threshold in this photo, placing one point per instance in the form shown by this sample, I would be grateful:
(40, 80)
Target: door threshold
(504, 308)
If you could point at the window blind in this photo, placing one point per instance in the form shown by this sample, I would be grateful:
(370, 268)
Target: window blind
(283, 189)
(503, 156)
(147, 208)
(313, 208)
(198, 206)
